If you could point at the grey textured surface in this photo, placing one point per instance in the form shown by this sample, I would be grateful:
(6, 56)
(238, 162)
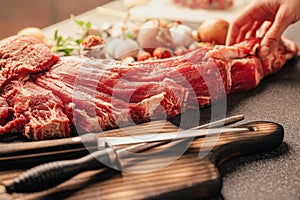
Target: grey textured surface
(276, 174)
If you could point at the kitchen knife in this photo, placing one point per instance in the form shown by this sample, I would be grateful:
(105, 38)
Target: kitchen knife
(146, 138)
(90, 142)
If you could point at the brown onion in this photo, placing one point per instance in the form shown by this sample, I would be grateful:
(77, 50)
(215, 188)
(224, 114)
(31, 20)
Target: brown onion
(214, 31)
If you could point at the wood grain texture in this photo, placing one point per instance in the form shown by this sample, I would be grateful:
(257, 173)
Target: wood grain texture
(191, 175)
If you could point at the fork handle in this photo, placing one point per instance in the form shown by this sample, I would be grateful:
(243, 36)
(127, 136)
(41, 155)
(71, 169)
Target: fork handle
(51, 174)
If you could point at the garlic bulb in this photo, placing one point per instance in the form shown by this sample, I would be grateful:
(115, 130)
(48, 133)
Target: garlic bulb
(152, 35)
(182, 35)
(120, 48)
(124, 26)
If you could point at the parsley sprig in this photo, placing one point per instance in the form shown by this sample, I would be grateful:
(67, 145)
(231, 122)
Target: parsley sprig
(67, 45)
(64, 45)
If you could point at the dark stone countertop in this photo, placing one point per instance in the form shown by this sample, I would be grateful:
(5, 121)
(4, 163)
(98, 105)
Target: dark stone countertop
(276, 174)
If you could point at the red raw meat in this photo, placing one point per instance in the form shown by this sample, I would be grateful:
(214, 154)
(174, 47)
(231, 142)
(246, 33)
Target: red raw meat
(5, 113)
(43, 100)
(98, 96)
(247, 68)
(246, 73)
(21, 56)
(35, 112)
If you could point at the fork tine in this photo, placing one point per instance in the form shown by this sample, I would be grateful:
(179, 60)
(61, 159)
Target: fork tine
(223, 122)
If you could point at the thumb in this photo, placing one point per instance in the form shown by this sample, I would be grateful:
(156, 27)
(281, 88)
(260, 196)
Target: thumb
(273, 35)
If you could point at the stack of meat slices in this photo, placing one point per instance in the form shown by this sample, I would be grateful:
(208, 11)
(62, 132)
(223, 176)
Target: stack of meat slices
(43, 95)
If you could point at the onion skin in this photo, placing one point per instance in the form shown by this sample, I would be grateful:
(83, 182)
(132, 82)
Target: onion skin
(213, 31)
(91, 41)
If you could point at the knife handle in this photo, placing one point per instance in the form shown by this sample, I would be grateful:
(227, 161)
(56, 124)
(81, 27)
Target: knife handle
(51, 174)
(47, 146)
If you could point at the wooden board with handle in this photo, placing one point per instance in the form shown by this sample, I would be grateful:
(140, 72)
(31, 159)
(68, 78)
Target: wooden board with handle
(190, 176)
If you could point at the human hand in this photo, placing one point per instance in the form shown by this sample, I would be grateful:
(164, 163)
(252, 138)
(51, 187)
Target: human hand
(272, 17)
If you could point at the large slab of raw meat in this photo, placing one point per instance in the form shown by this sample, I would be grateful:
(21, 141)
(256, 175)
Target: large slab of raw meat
(44, 96)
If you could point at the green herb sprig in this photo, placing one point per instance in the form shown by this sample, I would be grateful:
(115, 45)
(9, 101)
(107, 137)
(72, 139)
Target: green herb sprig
(66, 45)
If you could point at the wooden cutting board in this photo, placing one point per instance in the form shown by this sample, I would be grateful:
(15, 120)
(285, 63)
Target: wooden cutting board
(192, 175)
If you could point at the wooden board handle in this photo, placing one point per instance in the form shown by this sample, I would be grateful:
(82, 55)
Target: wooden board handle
(261, 137)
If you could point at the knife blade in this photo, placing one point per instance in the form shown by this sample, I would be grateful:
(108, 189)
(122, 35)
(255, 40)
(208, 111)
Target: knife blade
(14, 151)
(147, 138)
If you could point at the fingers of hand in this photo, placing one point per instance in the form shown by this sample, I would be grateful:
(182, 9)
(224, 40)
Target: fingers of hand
(237, 29)
(232, 33)
(254, 29)
(244, 30)
(264, 28)
(245, 25)
(273, 33)
(239, 33)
